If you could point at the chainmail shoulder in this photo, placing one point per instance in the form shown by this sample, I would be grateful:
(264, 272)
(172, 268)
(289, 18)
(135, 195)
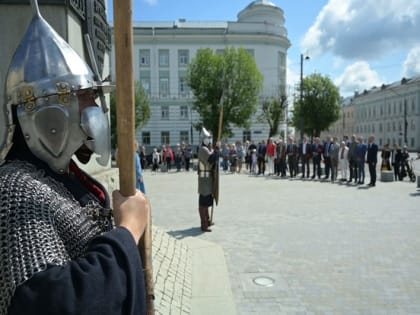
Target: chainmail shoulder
(41, 224)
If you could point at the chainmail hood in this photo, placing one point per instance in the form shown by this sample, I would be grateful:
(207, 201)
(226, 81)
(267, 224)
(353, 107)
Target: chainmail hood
(41, 224)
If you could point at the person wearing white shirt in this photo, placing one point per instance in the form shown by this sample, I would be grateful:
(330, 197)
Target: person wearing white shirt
(343, 161)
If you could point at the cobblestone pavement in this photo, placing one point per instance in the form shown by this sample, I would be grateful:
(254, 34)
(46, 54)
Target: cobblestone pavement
(318, 247)
(172, 268)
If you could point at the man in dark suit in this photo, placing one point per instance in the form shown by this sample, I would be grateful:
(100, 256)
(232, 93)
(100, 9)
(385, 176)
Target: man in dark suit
(317, 150)
(372, 159)
(305, 151)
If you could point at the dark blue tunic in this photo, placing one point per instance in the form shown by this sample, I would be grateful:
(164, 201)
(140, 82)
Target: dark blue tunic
(108, 280)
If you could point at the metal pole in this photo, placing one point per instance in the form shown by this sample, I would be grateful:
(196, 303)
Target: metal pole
(191, 128)
(302, 123)
(405, 122)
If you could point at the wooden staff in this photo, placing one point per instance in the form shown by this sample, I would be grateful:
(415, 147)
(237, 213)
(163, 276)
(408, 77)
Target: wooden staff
(216, 167)
(123, 32)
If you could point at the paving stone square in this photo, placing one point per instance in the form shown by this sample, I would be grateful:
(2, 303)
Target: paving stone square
(332, 248)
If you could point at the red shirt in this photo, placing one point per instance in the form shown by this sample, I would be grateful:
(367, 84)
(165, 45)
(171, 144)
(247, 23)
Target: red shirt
(271, 149)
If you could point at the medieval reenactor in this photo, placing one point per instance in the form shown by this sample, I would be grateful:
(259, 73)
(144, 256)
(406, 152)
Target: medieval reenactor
(207, 161)
(63, 250)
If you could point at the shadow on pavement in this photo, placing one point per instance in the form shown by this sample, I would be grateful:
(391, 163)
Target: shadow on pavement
(180, 234)
(415, 194)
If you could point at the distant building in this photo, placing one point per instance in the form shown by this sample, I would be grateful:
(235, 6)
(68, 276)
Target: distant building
(390, 112)
(163, 51)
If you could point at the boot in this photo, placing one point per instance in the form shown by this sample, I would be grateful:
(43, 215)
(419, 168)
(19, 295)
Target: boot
(209, 222)
(204, 220)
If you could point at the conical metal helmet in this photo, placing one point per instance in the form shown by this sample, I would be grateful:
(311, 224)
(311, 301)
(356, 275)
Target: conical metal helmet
(205, 136)
(44, 82)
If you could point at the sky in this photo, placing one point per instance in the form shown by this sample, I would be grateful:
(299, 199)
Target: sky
(358, 44)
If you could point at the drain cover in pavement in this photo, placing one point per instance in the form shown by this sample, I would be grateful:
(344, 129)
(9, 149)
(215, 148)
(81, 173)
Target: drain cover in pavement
(264, 281)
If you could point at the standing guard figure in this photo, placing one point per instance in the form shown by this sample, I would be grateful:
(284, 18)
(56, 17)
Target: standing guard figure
(207, 160)
(60, 251)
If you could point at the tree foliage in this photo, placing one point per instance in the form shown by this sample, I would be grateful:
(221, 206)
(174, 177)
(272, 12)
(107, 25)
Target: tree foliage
(231, 78)
(142, 111)
(320, 106)
(273, 112)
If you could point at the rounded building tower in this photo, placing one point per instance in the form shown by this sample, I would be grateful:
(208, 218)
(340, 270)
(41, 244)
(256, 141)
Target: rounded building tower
(264, 11)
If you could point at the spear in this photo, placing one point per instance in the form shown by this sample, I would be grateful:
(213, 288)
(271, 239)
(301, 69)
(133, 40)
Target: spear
(123, 32)
(216, 166)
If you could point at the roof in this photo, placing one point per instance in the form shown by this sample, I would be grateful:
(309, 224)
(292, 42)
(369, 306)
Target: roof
(261, 2)
(181, 23)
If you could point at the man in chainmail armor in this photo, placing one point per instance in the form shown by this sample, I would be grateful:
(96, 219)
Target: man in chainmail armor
(207, 160)
(63, 251)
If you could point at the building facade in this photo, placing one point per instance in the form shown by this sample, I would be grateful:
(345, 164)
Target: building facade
(390, 112)
(163, 51)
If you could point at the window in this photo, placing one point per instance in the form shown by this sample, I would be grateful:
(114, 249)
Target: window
(164, 137)
(184, 136)
(412, 142)
(380, 127)
(145, 83)
(183, 57)
(251, 52)
(413, 106)
(164, 84)
(144, 79)
(246, 135)
(163, 57)
(413, 125)
(145, 137)
(164, 87)
(144, 57)
(165, 112)
(183, 88)
(380, 142)
(184, 112)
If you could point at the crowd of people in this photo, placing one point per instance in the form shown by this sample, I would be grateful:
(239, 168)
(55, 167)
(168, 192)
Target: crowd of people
(166, 157)
(331, 158)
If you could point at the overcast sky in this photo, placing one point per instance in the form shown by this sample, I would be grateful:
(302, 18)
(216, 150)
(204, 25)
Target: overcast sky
(357, 43)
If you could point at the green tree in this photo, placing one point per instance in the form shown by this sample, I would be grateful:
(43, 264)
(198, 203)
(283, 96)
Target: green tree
(273, 113)
(142, 110)
(320, 105)
(231, 79)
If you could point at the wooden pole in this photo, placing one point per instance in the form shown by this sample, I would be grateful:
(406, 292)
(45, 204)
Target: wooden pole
(216, 167)
(123, 32)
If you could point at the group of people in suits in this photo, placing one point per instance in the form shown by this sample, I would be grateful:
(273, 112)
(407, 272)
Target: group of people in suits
(348, 155)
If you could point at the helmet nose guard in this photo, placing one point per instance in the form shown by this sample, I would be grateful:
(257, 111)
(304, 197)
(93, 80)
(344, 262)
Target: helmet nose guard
(44, 77)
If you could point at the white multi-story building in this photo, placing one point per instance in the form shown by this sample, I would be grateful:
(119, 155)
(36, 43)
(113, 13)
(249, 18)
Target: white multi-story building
(163, 51)
(390, 112)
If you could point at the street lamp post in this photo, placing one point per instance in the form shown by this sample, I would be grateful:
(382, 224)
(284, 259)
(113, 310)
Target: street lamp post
(405, 122)
(283, 106)
(191, 128)
(302, 119)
